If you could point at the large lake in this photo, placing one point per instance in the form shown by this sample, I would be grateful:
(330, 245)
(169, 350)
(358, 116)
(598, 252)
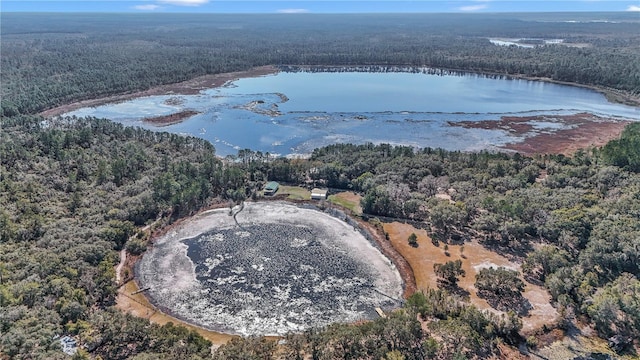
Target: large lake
(295, 112)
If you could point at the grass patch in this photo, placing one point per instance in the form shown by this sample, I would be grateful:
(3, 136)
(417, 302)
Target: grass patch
(294, 192)
(347, 200)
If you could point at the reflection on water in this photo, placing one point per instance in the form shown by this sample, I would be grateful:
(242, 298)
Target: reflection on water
(293, 113)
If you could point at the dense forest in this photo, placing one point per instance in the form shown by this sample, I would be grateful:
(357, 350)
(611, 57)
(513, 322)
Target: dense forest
(53, 59)
(571, 221)
(75, 191)
(72, 193)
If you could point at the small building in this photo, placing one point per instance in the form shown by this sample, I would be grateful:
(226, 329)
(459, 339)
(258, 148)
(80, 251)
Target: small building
(319, 194)
(271, 188)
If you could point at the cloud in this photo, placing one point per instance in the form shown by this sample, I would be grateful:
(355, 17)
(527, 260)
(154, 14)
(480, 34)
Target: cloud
(184, 2)
(633, 8)
(473, 7)
(147, 7)
(293, 11)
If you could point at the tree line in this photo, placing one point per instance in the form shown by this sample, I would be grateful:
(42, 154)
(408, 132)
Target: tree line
(571, 221)
(76, 189)
(50, 60)
(73, 191)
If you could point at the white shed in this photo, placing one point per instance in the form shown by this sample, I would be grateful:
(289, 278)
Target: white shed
(319, 194)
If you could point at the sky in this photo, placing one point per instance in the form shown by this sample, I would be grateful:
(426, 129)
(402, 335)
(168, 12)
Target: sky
(316, 6)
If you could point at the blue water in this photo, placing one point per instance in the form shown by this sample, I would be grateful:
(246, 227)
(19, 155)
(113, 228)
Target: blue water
(295, 112)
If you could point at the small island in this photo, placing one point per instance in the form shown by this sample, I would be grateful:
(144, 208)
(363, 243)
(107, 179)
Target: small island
(166, 120)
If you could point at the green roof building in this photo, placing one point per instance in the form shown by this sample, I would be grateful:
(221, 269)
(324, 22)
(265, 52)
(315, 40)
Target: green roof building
(271, 188)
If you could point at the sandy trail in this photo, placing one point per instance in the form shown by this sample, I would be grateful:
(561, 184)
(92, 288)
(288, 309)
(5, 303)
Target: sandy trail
(123, 253)
(123, 259)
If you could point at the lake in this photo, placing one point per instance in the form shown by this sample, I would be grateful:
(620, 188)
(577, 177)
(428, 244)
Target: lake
(294, 112)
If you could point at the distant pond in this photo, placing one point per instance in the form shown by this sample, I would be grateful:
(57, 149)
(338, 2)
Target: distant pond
(295, 112)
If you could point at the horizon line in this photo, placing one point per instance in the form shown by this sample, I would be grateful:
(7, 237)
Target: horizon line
(316, 13)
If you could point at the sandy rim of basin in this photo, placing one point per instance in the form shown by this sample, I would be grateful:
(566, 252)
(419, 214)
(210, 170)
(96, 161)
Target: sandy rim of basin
(134, 302)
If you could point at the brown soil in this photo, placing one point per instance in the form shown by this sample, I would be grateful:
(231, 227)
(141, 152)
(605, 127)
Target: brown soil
(568, 141)
(578, 131)
(511, 353)
(188, 87)
(390, 252)
(474, 258)
(171, 119)
(138, 305)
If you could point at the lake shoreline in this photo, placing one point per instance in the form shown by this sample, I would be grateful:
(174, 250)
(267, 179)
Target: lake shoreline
(187, 87)
(197, 84)
(613, 95)
(579, 131)
(565, 134)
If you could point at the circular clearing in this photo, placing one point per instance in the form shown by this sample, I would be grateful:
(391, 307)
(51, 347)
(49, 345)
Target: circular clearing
(281, 268)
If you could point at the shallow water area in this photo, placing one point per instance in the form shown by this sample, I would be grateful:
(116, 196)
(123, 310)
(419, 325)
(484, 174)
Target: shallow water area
(282, 268)
(295, 112)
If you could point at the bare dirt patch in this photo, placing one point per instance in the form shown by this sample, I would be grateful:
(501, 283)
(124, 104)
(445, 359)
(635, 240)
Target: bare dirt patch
(387, 248)
(189, 87)
(569, 346)
(553, 134)
(474, 257)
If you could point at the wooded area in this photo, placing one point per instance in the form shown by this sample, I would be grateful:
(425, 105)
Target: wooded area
(76, 189)
(73, 191)
(53, 59)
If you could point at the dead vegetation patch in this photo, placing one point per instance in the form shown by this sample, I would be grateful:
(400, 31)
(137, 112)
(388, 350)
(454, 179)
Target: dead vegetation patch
(568, 134)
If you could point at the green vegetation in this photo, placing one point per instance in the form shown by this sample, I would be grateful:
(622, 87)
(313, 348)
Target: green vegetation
(73, 191)
(413, 240)
(500, 282)
(584, 211)
(76, 189)
(354, 206)
(53, 59)
(455, 331)
(615, 310)
(625, 152)
(449, 272)
(294, 192)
